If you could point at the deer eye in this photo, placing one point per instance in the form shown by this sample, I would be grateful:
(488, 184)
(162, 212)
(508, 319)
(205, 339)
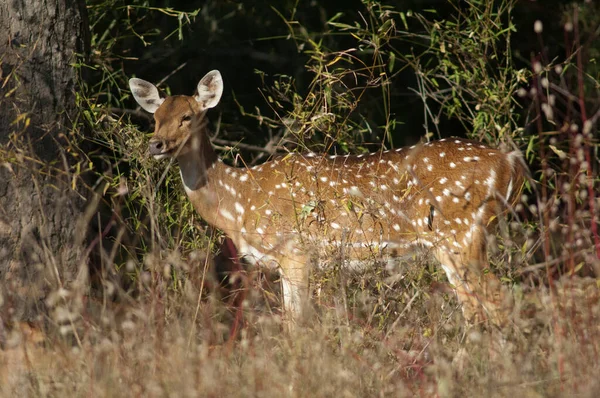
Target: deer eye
(186, 118)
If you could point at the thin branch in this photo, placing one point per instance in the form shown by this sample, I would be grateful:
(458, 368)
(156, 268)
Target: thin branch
(236, 144)
(134, 112)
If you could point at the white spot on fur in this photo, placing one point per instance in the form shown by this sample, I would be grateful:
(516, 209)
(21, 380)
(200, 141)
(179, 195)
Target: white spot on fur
(354, 191)
(491, 179)
(239, 208)
(226, 215)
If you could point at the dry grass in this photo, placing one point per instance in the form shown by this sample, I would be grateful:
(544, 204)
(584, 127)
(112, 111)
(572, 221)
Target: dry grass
(371, 334)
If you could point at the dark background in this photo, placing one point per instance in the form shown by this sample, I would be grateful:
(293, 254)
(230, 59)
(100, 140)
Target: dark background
(242, 37)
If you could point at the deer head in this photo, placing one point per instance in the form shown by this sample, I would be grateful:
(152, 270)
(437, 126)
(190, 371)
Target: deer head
(177, 117)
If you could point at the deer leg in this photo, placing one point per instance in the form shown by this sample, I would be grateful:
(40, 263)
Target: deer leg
(480, 294)
(456, 276)
(294, 284)
(492, 295)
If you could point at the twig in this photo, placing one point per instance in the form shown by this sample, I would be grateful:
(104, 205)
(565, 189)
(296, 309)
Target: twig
(133, 112)
(241, 145)
(164, 79)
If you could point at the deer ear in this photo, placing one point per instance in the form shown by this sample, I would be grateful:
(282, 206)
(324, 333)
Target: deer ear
(210, 89)
(145, 94)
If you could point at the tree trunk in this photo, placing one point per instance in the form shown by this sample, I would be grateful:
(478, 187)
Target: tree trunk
(40, 241)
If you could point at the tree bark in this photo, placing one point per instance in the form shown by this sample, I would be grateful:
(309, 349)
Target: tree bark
(40, 245)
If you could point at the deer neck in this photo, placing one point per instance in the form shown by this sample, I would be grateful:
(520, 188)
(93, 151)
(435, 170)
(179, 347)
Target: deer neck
(197, 161)
(205, 178)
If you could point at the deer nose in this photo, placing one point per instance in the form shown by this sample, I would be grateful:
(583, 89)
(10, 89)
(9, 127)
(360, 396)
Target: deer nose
(156, 147)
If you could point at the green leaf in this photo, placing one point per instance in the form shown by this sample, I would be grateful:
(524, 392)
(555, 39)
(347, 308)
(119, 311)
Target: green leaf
(391, 62)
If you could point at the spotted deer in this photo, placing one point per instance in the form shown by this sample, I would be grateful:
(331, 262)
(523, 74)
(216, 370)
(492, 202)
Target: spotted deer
(285, 213)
